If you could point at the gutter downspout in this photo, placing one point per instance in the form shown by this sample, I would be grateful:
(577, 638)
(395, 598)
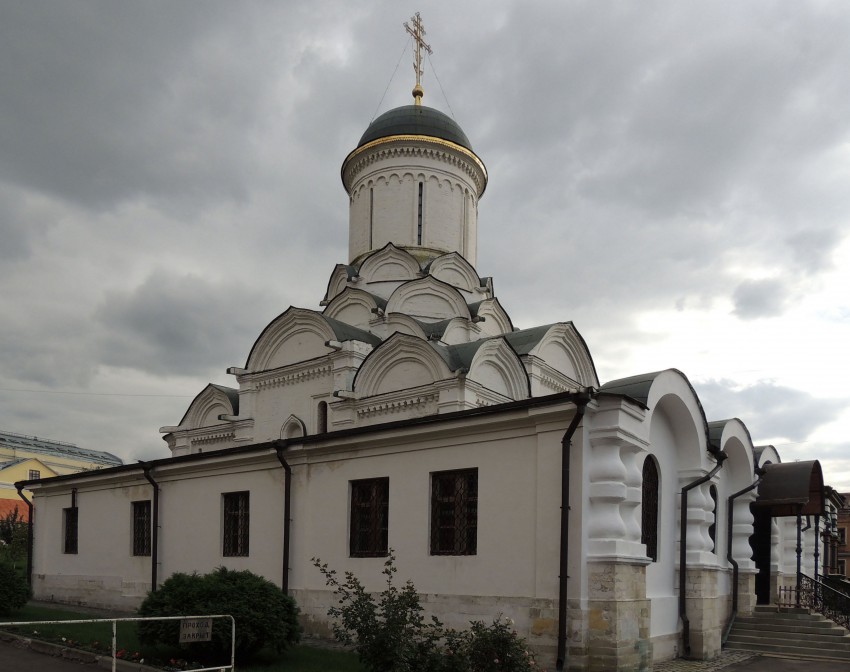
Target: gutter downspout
(147, 469)
(730, 521)
(280, 446)
(20, 490)
(581, 402)
(720, 456)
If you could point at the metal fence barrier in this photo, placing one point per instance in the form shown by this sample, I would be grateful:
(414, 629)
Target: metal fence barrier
(115, 621)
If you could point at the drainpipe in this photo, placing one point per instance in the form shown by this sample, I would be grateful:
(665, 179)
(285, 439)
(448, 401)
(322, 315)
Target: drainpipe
(729, 523)
(147, 469)
(20, 490)
(581, 402)
(280, 446)
(720, 456)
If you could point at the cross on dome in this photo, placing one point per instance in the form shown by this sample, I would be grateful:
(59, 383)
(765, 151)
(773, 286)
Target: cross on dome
(418, 34)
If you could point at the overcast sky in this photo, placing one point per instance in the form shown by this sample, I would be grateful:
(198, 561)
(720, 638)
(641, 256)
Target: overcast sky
(672, 177)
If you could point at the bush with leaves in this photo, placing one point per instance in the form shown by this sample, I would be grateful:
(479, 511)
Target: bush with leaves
(265, 615)
(15, 592)
(13, 538)
(390, 633)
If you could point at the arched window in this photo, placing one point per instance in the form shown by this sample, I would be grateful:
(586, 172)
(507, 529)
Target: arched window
(649, 508)
(322, 417)
(712, 529)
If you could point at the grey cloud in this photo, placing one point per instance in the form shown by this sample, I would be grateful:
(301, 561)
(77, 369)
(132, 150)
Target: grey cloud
(172, 325)
(760, 298)
(768, 410)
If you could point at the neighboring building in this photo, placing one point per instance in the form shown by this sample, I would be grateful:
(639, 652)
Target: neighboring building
(25, 457)
(410, 414)
(842, 545)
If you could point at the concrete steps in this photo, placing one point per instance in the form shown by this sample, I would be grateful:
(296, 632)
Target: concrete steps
(791, 632)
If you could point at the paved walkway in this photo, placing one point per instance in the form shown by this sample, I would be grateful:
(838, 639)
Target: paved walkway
(745, 661)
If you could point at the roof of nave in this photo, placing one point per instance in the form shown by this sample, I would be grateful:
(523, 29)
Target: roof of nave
(345, 332)
(57, 448)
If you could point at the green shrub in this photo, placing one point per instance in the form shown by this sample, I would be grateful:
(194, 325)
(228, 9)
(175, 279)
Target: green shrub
(390, 633)
(265, 616)
(14, 589)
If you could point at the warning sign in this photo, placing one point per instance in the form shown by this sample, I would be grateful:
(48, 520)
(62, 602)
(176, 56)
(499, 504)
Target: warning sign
(195, 630)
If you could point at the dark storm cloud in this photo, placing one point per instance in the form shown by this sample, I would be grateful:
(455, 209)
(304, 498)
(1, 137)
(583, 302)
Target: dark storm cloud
(759, 298)
(180, 325)
(769, 410)
(105, 101)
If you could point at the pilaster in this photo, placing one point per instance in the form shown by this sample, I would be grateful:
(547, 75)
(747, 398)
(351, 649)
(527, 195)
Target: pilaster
(618, 618)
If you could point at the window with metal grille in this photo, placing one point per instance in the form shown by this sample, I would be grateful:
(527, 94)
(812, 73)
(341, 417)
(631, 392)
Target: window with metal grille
(369, 532)
(649, 508)
(34, 474)
(454, 512)
(236, 522)
(71, 521)
(712, 529)
(142, 528)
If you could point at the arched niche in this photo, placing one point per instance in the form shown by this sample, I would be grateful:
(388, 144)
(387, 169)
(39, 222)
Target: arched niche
(296, 335)
(401, 362)
(293, 428)
(429, 300)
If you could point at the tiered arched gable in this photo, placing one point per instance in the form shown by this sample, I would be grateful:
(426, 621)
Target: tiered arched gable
(498, 368)
(210, 403)
(404, 324)
(428, 299)
(494, 321)
(389, 264)
(564, 349)
(401, 362)
(339, 279)
(296, 335)
(456, 271)
(354, 307)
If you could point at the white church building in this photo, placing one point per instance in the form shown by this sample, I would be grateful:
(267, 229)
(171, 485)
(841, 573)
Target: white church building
(611, 520)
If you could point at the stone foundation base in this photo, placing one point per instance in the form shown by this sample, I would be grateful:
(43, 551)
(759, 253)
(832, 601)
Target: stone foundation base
(105, 592)
(618, 618)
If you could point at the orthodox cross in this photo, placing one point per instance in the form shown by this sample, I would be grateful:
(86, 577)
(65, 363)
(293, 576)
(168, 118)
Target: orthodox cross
(418, 34)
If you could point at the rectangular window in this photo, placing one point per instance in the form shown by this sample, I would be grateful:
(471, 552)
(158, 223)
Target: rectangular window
(236, 521)
(142, 528)
(369, 532)
(454, 512)
(34, 474)
(70, 523)
(842, 536)
(842, 567)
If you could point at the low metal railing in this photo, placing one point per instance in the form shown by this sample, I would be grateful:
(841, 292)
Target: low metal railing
(115, 621)
(819, 597)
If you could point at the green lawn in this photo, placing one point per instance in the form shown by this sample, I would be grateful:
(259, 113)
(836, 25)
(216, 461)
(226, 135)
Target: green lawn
(98, 637)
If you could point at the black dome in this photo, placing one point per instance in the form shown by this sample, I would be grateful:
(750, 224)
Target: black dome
(415, 120)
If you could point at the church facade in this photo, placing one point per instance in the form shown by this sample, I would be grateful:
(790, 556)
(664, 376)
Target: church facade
(611, 520)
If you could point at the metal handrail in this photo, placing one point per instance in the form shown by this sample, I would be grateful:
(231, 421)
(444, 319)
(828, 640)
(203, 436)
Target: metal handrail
(825, 600)
(115, 621)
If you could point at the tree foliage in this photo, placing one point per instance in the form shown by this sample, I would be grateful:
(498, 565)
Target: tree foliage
(14, 589)
(390, 632)
(265, 615)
